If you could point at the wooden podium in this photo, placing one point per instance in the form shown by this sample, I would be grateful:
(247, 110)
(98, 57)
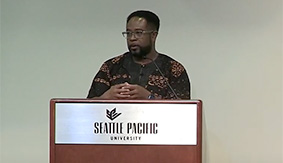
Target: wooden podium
(73, 148)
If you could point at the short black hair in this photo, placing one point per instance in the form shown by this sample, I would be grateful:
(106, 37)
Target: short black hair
(149, 16)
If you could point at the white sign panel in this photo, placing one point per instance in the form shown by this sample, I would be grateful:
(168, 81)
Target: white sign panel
(126, 123)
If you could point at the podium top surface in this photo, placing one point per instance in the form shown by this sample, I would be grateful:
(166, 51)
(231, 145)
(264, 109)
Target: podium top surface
(84, 100)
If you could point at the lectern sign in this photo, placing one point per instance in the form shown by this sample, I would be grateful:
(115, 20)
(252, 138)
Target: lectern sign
(126, 123)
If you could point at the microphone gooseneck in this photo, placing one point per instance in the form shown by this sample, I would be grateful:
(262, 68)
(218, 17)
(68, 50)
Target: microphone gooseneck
(168, 84)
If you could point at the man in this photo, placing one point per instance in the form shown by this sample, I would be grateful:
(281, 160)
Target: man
(141, 73)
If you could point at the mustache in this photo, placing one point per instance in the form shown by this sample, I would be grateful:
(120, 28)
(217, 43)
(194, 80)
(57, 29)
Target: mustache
(133, 45)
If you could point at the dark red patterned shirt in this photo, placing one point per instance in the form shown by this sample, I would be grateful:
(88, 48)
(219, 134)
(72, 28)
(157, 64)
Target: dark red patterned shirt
(123, 69)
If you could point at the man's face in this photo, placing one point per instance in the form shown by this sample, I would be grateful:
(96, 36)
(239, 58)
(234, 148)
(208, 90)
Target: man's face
(139, 46)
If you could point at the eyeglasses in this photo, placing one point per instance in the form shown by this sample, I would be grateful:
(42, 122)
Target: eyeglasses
(137, 34)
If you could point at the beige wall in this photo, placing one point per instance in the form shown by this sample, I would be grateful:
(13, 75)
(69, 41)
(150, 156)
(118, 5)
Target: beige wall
(231, 49)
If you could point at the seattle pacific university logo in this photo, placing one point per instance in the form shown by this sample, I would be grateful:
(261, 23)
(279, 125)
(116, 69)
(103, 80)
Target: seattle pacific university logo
(112, 114)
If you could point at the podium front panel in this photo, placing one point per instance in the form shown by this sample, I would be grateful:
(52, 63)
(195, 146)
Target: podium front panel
(125, 131)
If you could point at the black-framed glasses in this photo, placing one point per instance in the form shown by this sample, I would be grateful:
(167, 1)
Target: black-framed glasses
(137, 34)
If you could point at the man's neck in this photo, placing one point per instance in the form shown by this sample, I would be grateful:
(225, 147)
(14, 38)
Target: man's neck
(147, 59)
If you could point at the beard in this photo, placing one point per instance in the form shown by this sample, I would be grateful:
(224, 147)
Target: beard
(140, 52)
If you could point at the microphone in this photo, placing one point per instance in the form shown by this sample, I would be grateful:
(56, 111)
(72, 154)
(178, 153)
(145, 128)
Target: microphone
(168, 84)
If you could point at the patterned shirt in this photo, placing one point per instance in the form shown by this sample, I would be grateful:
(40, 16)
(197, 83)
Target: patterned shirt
(123, 69)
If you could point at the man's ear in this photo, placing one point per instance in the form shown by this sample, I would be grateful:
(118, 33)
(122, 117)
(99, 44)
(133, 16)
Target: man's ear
(154, 34)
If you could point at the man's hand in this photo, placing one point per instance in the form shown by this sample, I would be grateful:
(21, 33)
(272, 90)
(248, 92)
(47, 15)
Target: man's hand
(135, 92)
(126, 91)
(116, 92)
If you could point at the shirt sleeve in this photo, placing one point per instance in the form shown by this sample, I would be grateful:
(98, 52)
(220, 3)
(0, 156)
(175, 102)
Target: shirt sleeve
(180, 81)
(100, 83)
